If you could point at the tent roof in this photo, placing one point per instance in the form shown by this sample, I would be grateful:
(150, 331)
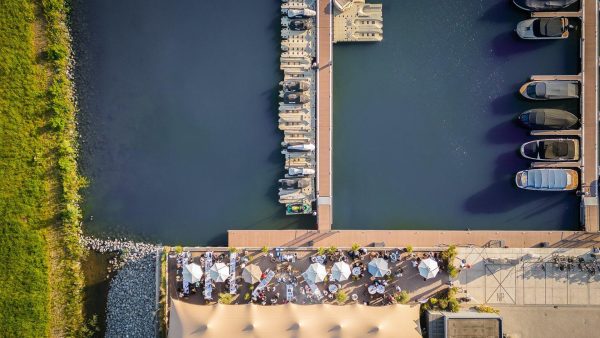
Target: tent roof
(190, 320)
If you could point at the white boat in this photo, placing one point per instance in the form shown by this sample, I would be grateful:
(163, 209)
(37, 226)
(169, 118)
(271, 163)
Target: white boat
(547, 179)
(543, 28)
(300, 13)
(300, 171)
(550, 90)
(301, 147)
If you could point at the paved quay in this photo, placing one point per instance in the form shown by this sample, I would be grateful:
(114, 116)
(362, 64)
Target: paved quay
(416, 238)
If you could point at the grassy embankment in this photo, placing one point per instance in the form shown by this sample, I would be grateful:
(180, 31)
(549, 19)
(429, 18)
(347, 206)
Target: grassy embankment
(40, 293)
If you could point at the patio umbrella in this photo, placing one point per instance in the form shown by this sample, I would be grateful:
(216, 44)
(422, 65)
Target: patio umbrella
(340, 271)
(192, 273)
(219, 272)
(251, 274)
(378, 267)
(428, 268)
(315, 273)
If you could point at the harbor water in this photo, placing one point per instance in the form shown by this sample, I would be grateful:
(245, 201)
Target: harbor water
(425, 135)
(179, 133)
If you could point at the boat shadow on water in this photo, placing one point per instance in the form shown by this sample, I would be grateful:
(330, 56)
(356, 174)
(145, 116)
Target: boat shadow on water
(508, 43)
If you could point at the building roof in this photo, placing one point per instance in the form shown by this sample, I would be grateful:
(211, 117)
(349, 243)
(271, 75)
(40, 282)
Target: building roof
(292, 320)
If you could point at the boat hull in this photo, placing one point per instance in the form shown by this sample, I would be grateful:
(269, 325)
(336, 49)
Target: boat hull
(548, 119)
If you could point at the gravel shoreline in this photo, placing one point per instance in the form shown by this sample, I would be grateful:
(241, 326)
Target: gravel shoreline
(131, 306)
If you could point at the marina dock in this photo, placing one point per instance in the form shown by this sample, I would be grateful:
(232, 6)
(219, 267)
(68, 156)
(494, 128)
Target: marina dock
(324, 113)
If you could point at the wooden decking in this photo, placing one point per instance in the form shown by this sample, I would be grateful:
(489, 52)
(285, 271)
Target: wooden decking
(589, 111)
(402, 238)
(324, 113)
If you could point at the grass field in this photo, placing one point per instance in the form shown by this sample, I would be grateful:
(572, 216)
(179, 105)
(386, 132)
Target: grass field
(40, 293)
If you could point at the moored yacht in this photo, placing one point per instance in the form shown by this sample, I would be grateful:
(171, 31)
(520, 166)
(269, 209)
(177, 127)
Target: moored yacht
(301, 147)
(546, 118)
(543, 28)
(300, 171)
(551, 150)
(547, 179)
(550, 90)
(294, 98)
(300, 13)
(543, 5)
(294, 86)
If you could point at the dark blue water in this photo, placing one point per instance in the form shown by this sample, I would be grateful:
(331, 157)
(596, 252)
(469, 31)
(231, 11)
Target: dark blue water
(179, 118)
(424, 122)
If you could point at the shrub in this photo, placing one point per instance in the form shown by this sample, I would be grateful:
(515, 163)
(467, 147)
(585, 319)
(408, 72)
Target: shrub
(486, 309)
(56, 52)
(233, 250)
(341, 297)
(265, 249)
(409, 248)
(452, 271)
(225, 298)
(443, 303)
(453, 305)
(433, 301)
(178, 249)
(402, 297)
(247, 296)
(331, 250)
(320, 251)
(355, 247)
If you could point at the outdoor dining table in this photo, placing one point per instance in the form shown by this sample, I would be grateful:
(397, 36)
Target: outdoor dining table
(372, 289)
(354, 297)
(356, 271)
(320, 259)
(333, 288)
(380, 289)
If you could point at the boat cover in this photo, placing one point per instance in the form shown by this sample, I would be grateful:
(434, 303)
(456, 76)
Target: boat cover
(549, 27)
(559, 89)
(544, 4)
(547, 178)
(552, 118)
(558, 149)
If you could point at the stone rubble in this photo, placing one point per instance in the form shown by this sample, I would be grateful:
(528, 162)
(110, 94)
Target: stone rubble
(130, 310)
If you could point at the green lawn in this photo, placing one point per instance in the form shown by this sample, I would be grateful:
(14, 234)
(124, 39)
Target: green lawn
(38, 180)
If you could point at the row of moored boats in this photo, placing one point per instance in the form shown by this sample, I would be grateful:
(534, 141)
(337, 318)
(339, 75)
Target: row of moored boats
(549, 149)
(296, 107)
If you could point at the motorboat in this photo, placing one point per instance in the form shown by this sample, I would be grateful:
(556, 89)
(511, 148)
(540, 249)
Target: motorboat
(293, 98)
(299, 25)
(301, 171)
(551, 150)
(543, 28)
(543, 5)
(542, 118)
(550, 90)
(297, 209)
(285, 192)
(547, 179)
(300, 13)
(301, 147)
(294, 183)
(294, 86)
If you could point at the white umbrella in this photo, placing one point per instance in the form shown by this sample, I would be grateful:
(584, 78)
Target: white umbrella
(192, 273)
(219, 272)
(378, 267)
(340, 271)
(315, 273)
(428, 268)
(251, 274)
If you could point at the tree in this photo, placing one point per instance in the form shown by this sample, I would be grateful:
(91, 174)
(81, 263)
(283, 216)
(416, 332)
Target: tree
(178, 249)
(402, 297)
(225, 298)
(233, 250)
(409, 248)
(355, 247)
(265, 249)
(433, 300)
(341, 297)
(320, 251)
(331, 250)
(453, 305)
(443, 303)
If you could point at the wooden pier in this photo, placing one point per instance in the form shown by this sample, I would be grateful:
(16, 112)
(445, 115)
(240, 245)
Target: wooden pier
(324, 113)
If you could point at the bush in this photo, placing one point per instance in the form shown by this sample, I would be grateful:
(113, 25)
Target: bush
(225, 298)
(233, 250)
(409, 248)
(56, 52)
(443, 303)
(355, 247)
(321, 251)
(433, 301)
(452, 271)
(178, 249)
(247, 296)
(402, 297)
(331, 250)
(453, 305)
(341, 297)
(265, 249)
(486, 309)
